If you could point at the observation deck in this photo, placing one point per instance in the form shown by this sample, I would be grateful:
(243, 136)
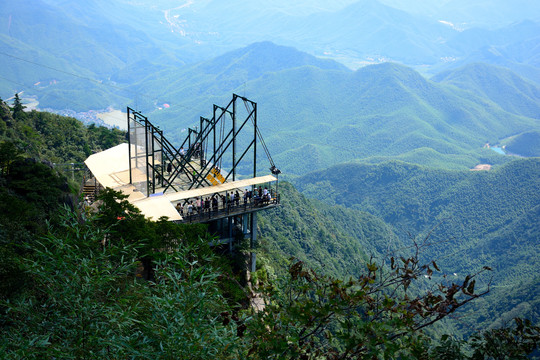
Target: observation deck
(199, 181)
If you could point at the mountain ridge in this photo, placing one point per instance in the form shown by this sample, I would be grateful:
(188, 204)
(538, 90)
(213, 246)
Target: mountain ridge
(392, 109)
(507, 89)
(119, 43)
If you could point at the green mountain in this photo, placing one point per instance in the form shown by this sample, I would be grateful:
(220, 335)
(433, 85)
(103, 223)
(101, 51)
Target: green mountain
(335, 239)
(473, 218)
(525, 144)
(315, 114)
(66, 53)
(379, 111)
(509, 91)
(503, 87)
(218, 77)
(83, 33)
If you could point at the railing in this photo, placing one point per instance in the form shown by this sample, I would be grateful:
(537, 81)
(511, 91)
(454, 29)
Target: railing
(89, 186)
(198, 214)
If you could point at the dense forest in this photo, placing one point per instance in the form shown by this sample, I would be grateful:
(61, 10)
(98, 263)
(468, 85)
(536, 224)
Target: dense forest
(473, 219)
(83, 284)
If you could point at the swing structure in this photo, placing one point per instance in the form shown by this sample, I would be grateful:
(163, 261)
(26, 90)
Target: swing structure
(212, 177)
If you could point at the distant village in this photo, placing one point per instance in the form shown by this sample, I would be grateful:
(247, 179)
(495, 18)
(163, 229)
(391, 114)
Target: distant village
(88, 117)
(97, 117)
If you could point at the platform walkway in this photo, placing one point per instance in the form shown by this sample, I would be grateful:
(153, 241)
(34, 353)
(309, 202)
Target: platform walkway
(111, 169)
(209, 214)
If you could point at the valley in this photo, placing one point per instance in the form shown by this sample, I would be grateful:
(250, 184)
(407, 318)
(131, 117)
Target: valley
(174, 21)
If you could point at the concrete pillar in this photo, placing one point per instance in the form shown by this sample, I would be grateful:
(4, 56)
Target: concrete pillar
(245, 223)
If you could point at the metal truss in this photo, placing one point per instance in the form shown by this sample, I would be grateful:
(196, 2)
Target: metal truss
(227, 138)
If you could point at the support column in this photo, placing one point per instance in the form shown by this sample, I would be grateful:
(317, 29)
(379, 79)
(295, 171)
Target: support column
(245, 224)
(229, 219)
(253, 242)
(129, 143)
(234, 139)
(255, 140)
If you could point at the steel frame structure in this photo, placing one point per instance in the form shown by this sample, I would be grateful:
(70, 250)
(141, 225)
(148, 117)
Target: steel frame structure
(152, 154)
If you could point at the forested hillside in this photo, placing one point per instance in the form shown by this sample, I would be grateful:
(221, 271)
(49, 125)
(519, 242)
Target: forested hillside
(380, 111)
(52, 137)
(334, 239)
(61, 263)
(525, 144)
(36, 154)
(474, 218)
(503, 87)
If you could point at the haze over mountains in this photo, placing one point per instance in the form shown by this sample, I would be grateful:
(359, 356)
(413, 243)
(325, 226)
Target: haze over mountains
(117, 43)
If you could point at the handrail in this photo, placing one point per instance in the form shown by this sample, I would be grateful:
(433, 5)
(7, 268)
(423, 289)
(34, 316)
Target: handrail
(227, 210)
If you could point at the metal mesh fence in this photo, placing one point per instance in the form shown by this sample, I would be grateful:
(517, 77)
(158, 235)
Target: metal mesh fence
(138, 152)
(147, 163)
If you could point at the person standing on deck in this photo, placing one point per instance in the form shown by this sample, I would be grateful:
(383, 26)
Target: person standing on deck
(190, 210)
(180, 209)
(236, 198)
(214, 203)
(199, 205)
